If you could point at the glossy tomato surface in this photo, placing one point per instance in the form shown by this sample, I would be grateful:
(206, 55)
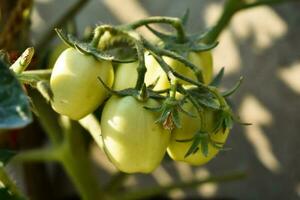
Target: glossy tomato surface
(75, 85)
(132, 140)
(126, 73)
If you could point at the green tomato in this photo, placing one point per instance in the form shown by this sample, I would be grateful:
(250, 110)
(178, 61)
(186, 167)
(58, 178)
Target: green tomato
(177, 150)
(203, 60)
(75, 85)
(57, 50)
(132, 140)
(126, 74)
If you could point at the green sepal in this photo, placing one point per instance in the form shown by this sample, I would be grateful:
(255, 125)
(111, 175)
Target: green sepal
(162, 36)
(198, 140)
(218, 78)
(203, 47)
(86, 48)
(233, 89)
(175, 118)
(184, 18)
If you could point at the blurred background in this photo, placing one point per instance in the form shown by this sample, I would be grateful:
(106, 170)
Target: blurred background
(262, 44)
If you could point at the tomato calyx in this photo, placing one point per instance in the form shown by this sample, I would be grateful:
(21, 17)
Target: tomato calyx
(87, 48)
(169, 113)
(201, 139)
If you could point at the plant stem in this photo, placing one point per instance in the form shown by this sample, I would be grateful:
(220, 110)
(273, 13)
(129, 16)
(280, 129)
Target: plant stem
(9, 184)
(141, 69)
(231, 7)
(31, 77)
(45, 155)
(47, 117)
(149, 192)
(71, 151)
(75, 160)
(175, 22)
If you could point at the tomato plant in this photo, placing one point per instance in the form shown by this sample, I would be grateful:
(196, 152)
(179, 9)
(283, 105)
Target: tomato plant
(178, 147)
(126, 74)
(75, 85)
(132, 140)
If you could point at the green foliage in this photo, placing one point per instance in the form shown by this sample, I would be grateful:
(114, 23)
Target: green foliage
(14, 105)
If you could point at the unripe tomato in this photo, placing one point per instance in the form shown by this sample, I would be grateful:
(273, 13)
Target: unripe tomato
(126, 74)
(75, 85)
(54, 54)
(203, 60)
(177, 150)
(132, 140)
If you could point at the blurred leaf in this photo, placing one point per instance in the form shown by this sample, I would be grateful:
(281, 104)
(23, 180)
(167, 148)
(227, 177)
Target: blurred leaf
(5, 156)
(14, 105)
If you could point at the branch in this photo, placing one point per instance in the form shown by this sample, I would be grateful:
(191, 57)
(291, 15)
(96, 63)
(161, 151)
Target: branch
(231, 7)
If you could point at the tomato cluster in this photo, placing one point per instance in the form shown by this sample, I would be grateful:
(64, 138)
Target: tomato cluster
(133, 137)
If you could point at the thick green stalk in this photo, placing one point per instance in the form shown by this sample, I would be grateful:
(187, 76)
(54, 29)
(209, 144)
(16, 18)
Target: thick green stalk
(75, 159)
(175, 22)
(70, 150)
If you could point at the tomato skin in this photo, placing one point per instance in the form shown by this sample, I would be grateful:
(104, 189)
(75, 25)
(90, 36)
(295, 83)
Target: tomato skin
(132, 140)
(57, 50)
(126, 74)
(177, 150)
(75, 85)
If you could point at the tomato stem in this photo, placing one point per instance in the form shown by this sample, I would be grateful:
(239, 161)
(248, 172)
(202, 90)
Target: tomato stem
(175, 22)
(231, 7)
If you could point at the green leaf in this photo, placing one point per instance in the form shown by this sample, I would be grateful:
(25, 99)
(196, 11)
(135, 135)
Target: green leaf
(217, 79)
(5, 156)
(14, 104)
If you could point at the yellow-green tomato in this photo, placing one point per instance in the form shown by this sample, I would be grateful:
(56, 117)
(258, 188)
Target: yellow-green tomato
(132, 140)
(126, 74)
(57, 50)
(177, 150)
(203, 60)
(75, 85)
